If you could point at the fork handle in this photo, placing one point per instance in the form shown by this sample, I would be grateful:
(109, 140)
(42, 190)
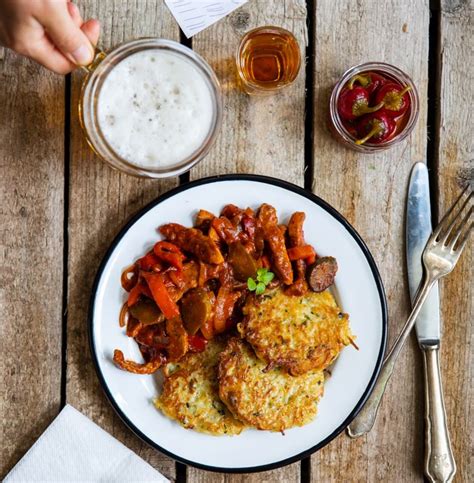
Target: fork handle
(365, 420)
(439, 461)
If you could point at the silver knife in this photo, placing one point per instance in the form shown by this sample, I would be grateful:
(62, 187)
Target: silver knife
(439, 460)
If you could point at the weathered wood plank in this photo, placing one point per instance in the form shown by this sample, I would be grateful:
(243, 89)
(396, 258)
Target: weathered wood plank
(288, 474)
(101, 200)
(263, 135)
(454, 170)
(370, 190)
(259, 135)
(31, 220)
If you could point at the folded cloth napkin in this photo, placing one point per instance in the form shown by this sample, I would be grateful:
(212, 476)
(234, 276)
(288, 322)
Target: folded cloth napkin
(73, 448)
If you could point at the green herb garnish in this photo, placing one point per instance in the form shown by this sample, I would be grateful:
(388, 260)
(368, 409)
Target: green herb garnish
(264, 277)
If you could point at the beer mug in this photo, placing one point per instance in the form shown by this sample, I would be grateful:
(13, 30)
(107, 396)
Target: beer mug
(150, 107)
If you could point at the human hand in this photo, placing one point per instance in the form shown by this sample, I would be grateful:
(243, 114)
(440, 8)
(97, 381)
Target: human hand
(51, 32)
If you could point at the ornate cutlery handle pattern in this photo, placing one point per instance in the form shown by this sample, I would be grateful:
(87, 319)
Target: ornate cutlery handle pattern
(439, 461)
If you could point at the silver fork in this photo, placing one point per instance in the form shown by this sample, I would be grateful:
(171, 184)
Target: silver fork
(441, 253)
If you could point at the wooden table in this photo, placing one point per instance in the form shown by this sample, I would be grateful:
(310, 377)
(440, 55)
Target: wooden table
(61, 207)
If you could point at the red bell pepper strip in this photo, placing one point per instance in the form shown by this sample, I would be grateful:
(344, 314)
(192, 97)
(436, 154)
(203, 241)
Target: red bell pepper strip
(149, 261)
(302, 252)
(266, 262)
(168, 252)
(161, 295)
(197, 343)
(139, 289)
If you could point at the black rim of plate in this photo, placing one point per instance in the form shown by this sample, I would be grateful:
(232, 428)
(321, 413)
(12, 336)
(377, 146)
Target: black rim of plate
(315, 199)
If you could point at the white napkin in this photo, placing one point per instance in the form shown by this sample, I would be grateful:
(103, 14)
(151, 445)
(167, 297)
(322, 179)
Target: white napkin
(73, 448)
(196, 15)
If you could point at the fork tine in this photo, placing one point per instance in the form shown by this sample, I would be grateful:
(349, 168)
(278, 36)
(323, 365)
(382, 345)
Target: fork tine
(444, 232)
(445, 218)
(463, 240)
(460, 228)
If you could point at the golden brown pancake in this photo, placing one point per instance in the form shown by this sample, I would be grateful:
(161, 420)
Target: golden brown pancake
(191, 393)
(272, 399)
(298, 333)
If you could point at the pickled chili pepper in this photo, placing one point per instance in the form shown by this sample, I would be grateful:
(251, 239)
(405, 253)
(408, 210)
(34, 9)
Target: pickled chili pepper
(394, 97)
(370, 81)
(353, 103)
(350, 128)
(168, 252)
(378, 127)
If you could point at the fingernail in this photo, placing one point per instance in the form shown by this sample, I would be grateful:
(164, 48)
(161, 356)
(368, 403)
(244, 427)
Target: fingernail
(82, 55)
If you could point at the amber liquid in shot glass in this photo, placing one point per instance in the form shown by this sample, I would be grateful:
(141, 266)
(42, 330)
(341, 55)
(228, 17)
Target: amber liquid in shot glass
(268, 59)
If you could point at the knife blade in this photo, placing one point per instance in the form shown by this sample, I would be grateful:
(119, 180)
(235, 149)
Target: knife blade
(418, 230)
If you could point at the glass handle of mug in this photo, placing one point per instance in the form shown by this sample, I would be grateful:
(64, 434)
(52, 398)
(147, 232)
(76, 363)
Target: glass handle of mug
(99, 56)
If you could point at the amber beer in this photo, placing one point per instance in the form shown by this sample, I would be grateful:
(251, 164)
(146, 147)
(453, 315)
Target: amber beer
(268, 59)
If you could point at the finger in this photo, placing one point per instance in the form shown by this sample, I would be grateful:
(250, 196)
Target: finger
(65, 35)
(75, 14)
(91, 29)
(45, 53)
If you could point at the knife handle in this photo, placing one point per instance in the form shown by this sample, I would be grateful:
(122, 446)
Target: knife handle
(439, 461)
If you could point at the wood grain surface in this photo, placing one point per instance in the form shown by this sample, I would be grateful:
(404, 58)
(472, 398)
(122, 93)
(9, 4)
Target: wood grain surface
(31, 252)
(370, 191)
(101, 201)
(49, 175)
(454, 170)
(263, 135)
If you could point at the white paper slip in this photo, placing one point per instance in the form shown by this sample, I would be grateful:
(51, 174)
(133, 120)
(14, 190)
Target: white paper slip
(73, 448)
(196, 15)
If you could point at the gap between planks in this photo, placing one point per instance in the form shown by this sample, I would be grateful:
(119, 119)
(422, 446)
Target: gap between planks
(64, 314)
(434, 117)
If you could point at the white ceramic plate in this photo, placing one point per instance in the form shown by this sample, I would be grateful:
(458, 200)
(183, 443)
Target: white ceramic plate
(358, 289)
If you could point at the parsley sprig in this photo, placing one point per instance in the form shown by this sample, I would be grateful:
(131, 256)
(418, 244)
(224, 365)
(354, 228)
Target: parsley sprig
(264, 277)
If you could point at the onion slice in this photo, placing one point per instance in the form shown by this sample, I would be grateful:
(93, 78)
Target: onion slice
(124, 315)
(127, 281)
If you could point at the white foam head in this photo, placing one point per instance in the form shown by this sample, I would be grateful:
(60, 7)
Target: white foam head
(155, 108)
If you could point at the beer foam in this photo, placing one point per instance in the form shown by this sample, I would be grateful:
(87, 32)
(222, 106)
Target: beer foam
(155, 108)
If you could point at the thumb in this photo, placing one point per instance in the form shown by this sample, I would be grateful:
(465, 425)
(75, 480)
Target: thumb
(66, 35)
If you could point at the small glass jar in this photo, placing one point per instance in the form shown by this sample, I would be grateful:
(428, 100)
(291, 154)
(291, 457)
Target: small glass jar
(268, 59)
(98, 72)
(390, 72)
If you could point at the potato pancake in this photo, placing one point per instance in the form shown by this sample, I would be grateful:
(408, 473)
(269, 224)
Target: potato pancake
(191, 393)
(297, 333)
(272, 399)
